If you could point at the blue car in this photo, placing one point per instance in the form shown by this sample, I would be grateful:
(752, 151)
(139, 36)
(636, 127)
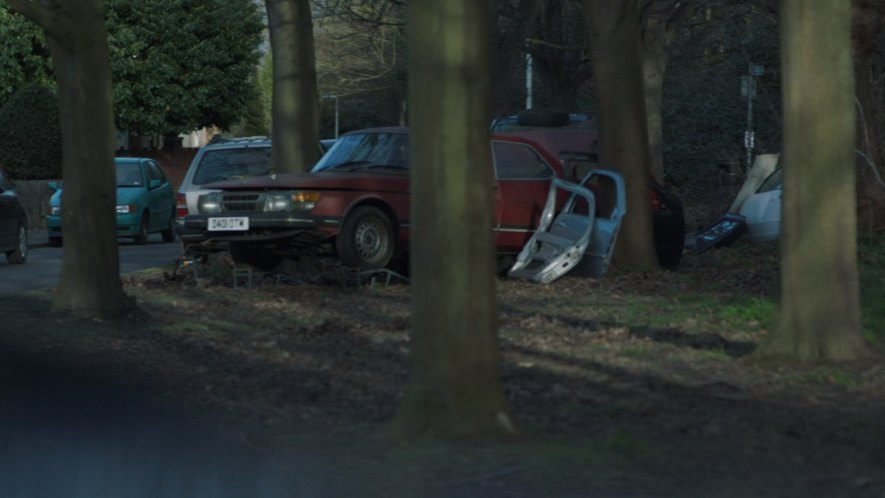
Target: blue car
(145, 202)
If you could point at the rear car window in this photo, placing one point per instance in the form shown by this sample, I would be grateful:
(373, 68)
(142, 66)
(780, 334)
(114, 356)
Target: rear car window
(774, 181)
(232, 164)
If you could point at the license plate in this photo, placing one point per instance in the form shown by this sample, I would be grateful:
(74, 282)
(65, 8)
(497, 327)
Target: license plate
(233, 223)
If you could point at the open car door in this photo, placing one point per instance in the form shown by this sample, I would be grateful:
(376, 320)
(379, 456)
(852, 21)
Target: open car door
(580, 236)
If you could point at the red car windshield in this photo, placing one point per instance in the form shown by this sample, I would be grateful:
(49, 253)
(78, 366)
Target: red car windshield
(367, 150)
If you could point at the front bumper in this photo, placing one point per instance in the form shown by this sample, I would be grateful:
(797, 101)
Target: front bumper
(264, 228)
(128, 224)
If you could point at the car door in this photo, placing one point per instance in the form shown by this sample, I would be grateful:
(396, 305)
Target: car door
(160, 198)
(522, 182)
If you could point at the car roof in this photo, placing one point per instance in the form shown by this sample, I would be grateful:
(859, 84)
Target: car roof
(238, 143)
(131, 160)
(380, 129)
(552, 141)
(559, 140)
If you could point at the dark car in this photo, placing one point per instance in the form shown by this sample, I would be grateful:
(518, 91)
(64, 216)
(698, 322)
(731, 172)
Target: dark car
(355, 201)
(13, 223)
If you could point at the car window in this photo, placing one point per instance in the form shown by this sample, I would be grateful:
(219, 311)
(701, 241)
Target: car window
(774, 181)
(519, 162)
(576, 165)
(129, 175)
(3, 183)
(380, 148)
(155, 173)
(230, 164)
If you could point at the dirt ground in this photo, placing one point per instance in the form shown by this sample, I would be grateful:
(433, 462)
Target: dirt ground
(631, 385)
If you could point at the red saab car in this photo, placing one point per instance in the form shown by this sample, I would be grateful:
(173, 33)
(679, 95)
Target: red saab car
(355, 201)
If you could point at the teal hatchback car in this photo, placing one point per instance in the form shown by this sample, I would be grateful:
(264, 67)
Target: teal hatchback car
(145, 202)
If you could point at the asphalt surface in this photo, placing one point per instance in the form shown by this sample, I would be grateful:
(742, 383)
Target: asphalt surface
(43, 266)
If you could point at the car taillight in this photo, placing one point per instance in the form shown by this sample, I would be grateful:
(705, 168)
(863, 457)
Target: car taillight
(180, 206)
(655, 201)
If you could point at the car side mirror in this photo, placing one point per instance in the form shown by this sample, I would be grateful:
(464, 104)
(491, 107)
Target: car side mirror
(52, 186)
(154, 184)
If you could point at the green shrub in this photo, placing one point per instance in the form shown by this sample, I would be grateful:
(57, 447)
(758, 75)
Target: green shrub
(30, 135)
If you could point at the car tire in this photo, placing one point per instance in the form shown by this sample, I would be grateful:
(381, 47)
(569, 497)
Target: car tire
(54, 241)
(169, 233)
(262, 259)
(366, 239)
(19, 255)
(143, 229)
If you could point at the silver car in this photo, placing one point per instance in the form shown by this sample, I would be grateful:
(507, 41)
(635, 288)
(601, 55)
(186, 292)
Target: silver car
(226, 159)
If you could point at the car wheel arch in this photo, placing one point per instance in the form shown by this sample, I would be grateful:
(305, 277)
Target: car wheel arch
(376, 203)
(346, 247)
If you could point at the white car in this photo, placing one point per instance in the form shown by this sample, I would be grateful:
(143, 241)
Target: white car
(762, 210)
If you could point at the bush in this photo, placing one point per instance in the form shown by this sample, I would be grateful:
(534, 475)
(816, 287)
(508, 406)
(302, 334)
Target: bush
(30, 135)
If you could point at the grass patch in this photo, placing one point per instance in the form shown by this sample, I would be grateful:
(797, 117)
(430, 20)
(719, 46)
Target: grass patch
(750, 311)
(872, 287)
(832, 376)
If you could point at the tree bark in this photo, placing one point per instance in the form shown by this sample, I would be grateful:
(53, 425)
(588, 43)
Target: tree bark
(820, 300)
(295, 103)
(90, 274)
(658, 21)
(613, 39)
(454, 388)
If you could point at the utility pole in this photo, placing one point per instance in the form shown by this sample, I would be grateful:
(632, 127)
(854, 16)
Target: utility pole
(748, 91)
(528, 79)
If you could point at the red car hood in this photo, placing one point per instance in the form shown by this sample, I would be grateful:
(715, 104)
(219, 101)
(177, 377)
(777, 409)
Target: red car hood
(378, 182)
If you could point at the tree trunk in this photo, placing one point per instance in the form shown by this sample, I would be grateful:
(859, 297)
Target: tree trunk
(658, 21)
(295, 104)
(820, 304)
(614, 44)
(454, 388)
(654, 96)
(90, 274)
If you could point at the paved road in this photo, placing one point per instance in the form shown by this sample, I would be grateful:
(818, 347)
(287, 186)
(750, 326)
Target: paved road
(43, 267)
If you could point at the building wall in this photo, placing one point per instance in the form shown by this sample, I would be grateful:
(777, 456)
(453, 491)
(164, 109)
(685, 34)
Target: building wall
(173, 162)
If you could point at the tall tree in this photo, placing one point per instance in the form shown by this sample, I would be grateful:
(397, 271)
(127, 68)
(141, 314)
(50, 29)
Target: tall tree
(660, 20)
(177, 65)
(820, 304)
(613, 39)
(361, 58)
(454, 387)
(295, 103)
(90, 274)
(24, 59)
